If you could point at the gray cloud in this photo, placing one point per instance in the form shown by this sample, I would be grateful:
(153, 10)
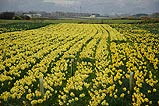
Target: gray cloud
(25, 5)
(96, 6)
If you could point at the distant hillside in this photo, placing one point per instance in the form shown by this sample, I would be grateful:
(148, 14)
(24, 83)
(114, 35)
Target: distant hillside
(140, 15)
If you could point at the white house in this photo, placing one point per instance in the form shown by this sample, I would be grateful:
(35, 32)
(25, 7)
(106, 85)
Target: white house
(33, 15)
(93, 16)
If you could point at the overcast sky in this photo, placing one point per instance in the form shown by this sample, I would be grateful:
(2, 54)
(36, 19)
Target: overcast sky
(91, 6)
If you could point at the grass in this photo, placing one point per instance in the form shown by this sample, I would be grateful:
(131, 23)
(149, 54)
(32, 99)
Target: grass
(18, 26)
(94, 21)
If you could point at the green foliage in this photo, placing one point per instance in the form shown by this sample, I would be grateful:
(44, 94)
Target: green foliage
(10, 27)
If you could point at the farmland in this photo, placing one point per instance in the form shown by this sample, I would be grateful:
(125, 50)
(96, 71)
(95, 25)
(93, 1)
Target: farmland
(80, 64)
(19, 26)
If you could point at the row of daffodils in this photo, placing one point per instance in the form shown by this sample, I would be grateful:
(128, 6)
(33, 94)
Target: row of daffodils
(79, 64)
(139, 55)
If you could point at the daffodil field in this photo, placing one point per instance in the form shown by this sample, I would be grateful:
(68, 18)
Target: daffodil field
(80, 65)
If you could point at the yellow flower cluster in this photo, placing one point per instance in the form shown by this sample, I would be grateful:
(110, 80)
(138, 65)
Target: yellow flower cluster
(79, 62)
(114, 34)
(38, 44)
(139, 55)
